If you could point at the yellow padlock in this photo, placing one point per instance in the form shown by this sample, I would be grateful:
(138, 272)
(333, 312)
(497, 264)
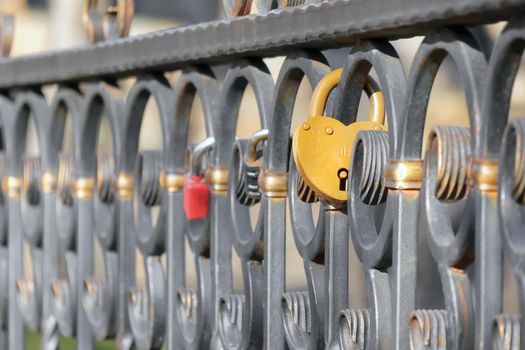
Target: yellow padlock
(322, 145)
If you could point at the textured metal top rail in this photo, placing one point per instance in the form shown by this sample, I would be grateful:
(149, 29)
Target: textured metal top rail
(326, 25)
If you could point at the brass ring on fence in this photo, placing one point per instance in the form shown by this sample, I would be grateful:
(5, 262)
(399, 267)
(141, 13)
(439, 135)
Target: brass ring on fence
(12, 186)
(483, 174)
(273, 185)
(217, 177)
(124, 185)
(404, 174)
(171, 182)
(48, 182)
(84, 188)
(116, 18)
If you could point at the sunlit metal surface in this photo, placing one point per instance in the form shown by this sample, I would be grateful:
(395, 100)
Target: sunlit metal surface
(464, 192)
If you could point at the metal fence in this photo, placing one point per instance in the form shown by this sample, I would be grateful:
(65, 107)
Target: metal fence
(61, 200)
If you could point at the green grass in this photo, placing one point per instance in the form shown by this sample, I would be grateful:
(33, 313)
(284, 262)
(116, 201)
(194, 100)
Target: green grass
(33, 343)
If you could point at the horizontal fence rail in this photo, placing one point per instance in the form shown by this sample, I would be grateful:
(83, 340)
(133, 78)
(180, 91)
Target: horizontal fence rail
(323, 25)
(462, 188)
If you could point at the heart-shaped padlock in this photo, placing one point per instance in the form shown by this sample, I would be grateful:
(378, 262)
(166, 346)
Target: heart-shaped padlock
(322, 145)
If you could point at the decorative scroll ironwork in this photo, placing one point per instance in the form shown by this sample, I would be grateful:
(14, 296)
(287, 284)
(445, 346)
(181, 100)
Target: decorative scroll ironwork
(464, 192)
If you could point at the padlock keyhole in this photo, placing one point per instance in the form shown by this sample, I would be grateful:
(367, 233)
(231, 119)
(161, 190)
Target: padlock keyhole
(342, 174)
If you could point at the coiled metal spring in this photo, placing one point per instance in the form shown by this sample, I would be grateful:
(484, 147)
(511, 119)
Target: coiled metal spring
(371, 156)
(353, 329)
(66, 179)
(31, 201)
(149, 164)
(428, 330)
(297, 305)
(506, 332)
(449, 148)
(232, 307)
(518, 188)
(187, 300)
(65, 206)
(31, 180)
(105, 178)
(297, 318)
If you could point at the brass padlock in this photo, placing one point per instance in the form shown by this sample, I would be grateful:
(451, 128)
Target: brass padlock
(322, 145)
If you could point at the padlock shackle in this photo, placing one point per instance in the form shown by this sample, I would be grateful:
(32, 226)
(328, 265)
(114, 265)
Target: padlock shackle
(330, 82)
(322, 91)
(376, 100)
(198, 153)
(255, 139)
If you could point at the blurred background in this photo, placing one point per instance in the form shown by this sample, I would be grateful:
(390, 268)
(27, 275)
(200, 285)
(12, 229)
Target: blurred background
(42, 25)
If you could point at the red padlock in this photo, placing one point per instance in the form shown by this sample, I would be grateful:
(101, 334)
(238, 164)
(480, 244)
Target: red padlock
(196, 197)
(196, 192)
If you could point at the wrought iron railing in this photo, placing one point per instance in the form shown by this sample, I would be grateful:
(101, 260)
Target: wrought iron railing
(61, 200)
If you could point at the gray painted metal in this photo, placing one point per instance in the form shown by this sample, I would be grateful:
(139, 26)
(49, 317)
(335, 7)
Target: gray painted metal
(383, 225)
(322, 25)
